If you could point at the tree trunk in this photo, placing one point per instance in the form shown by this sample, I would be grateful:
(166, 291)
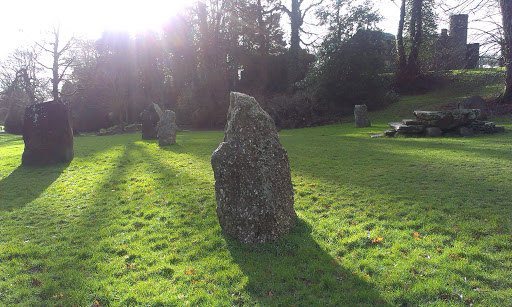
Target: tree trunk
(263, 48)
(506, 11)
(295, 22)
(402, 61)
(55, 68)
(413, 67)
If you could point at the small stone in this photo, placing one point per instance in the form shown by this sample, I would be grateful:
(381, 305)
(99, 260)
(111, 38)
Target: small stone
(361, 116)
(433, 132)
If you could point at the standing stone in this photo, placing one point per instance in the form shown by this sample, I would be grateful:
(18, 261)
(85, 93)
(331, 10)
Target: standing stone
(167, 128)
(361, 116)
(47, 134)
(252, 176)
(150, 120)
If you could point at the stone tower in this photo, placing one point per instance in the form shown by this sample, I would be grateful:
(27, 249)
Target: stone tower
(458, 40)
(452, 50)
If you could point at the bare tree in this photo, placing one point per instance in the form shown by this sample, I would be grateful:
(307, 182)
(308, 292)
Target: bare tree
(61, 62)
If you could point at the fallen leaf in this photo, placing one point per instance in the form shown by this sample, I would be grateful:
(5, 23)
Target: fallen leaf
(270, 295)
(416, 234)
(190, 272)
(367, 276)
(96, 304)
(339, 259)
(377, 240)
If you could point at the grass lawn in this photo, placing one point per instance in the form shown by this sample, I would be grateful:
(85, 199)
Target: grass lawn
(387, 221)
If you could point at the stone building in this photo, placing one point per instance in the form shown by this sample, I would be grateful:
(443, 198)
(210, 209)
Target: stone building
(453, 50)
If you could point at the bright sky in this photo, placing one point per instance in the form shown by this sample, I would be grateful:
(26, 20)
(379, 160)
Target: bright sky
(26, 21)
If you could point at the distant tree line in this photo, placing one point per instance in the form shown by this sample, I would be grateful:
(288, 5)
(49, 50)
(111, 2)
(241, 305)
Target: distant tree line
(218, 46)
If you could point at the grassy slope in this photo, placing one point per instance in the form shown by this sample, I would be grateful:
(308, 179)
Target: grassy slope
(381, 221)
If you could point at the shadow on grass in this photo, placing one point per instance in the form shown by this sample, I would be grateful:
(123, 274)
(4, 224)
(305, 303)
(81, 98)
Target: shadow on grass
(26, 183)
(295, 269)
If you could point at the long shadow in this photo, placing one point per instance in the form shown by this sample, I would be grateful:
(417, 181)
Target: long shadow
(295, 270)
(26, 183)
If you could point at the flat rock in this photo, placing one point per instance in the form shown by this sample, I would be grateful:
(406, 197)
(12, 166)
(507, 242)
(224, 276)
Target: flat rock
(447, 120)
(253, 184)
(406, 129)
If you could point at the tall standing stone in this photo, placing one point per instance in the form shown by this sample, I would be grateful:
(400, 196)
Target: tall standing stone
(150, 120)
(361, 116)
(252, 176)
(167, 128)
(48, 134)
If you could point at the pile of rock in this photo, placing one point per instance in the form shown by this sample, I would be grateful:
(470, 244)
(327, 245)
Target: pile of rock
(434, 123)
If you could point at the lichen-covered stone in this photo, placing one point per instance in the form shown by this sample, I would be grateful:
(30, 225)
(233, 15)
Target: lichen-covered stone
(474, 102)
(150, 121)
(47, 134)
(361, 116)
(252, 176)
(447, 119)
(167, 128)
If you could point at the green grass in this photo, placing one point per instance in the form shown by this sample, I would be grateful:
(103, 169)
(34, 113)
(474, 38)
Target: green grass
(387, 221)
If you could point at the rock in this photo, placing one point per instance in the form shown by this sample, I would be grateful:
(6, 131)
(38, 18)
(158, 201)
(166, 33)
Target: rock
(406, 129)
(447, 120)
(361, 116)
(47, 134)
(150, 121)
(474, 102)
(411, 122)
(389, 132)
(480, 126)
(433, 131)
(499, 129)
(253, 184)
(466, 131)
(167, 128)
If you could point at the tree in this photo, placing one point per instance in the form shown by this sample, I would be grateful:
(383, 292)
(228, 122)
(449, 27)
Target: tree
(409, 67)
(61, 62)
(344, 19)
(20, 87)
(506, 12)
(297, 14)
